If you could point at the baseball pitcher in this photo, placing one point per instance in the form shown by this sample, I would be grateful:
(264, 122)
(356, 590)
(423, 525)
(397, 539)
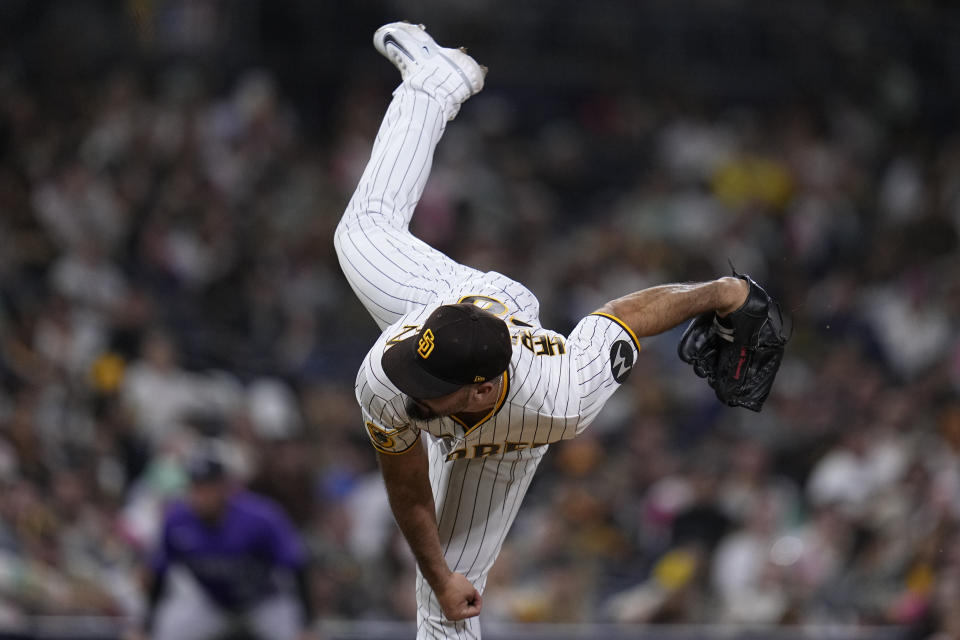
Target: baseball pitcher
(464, 391)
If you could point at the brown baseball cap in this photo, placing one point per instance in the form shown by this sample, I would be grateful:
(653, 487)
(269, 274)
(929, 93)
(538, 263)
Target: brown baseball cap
(458, 344)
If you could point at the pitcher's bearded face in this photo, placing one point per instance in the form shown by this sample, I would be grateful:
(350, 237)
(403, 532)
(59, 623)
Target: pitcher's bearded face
(419, 411)
(433, 408)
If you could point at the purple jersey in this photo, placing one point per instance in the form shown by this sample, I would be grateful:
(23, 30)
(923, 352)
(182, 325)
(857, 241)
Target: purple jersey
(234, 558)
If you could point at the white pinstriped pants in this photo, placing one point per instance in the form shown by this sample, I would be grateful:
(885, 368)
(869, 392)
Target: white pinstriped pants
(392, 272)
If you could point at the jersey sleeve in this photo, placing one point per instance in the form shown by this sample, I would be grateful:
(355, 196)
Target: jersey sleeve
(604, 351)
(283, 541)
(384, 418)
(159, 558)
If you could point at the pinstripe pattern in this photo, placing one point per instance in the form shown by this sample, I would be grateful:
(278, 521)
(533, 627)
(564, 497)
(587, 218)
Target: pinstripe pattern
(391, 271)
(555, 385)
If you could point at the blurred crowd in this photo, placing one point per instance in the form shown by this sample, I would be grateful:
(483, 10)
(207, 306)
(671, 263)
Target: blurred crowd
(167, 275)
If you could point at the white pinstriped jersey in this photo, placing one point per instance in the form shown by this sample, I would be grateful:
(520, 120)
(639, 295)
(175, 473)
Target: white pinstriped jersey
(552, 390)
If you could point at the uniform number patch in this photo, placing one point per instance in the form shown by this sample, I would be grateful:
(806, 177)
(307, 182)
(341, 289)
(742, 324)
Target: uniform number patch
(621, 360)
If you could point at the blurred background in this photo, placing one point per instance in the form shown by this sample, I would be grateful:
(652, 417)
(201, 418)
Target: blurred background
(170, 175)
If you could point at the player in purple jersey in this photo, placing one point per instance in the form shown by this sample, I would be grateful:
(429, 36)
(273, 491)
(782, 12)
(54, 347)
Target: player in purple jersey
(228, 561)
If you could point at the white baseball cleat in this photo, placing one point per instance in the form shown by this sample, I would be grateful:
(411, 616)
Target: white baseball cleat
(449, 74)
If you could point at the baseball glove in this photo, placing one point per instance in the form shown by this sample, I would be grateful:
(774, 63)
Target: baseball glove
(739, 354)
